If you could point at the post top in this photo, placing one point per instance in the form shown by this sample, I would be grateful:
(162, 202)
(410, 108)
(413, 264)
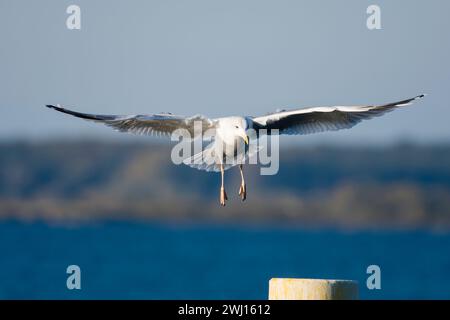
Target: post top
(312, 289)
(315, 280)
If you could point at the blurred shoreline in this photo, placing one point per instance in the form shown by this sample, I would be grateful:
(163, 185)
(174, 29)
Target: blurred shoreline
(404, 186)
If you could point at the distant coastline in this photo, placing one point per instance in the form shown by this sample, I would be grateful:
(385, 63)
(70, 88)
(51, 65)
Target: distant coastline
(397, 187)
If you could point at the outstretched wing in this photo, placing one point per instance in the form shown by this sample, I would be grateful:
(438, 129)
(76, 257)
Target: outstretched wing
(319, 119)
(156, 124)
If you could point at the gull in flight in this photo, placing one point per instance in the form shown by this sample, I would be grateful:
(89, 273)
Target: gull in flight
(233, 131)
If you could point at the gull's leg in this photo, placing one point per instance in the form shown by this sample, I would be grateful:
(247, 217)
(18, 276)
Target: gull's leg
(242, 188)
(223, 194)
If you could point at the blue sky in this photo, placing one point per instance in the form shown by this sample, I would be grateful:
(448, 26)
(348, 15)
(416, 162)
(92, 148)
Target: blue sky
(221, 58)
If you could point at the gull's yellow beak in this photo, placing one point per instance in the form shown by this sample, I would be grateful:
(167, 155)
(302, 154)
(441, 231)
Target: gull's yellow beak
(245, 138)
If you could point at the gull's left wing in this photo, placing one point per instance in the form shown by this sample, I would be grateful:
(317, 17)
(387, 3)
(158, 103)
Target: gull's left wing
(319, 119)
(156, 124)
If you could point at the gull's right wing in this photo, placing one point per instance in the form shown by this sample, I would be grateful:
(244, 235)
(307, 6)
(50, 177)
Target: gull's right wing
(320, 119)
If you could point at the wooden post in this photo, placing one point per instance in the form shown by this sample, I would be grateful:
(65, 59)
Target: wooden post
(312, 289)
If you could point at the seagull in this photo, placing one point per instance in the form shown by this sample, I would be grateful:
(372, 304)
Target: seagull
(228, 132)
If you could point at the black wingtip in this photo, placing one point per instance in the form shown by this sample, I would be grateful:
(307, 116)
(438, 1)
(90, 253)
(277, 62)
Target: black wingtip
(60, 109)
(57, 108)
(52, 106)
(79, 114)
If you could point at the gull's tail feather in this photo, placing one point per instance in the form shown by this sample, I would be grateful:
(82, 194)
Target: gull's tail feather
(205, 160)
(208, 160)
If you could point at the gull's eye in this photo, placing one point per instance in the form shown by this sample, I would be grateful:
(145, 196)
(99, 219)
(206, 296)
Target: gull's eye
(237, 127)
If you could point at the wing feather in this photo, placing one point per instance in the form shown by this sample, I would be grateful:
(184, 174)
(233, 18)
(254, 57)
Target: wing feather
(157, 124)
(320, 119)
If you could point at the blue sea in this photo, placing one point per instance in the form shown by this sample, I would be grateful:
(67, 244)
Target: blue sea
(121, 260)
